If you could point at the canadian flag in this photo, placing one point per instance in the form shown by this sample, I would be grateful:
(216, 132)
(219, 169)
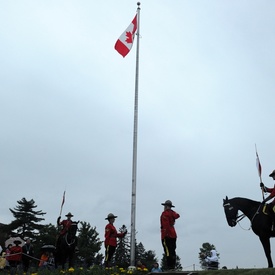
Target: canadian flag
(126, 40)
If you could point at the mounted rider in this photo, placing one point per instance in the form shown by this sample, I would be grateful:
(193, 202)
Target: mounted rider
(65, 225)
(270, 206)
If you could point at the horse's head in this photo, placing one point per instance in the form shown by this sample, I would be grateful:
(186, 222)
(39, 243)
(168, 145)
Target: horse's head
(230, 211)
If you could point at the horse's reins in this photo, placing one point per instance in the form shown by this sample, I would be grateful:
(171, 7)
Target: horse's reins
(66, 239)
(256, 213)
(242, 216)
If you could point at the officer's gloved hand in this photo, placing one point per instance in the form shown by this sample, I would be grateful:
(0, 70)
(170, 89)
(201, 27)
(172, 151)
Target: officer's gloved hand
(261, 185)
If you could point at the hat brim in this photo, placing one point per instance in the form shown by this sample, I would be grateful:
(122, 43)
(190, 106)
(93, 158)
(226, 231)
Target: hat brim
(168, 204)
(113, 217)
(272, 174)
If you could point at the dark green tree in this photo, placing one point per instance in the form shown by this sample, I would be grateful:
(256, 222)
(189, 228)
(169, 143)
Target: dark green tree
(205, 251)
(164, 263)
(47, 235)
(4, 234)
(149, 259)
(140, 252)
(89, 245)
(122, 253)
(27, 220)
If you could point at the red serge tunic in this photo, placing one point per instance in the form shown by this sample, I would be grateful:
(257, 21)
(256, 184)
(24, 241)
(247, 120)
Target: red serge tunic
(65, 224)
(111, 235)
(17, 250)
(272, 193)
(167, 221)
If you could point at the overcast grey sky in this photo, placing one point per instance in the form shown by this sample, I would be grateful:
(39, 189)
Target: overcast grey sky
(206, 96)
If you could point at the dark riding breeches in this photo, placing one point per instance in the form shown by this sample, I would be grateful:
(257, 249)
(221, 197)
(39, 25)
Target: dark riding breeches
(109, 252)
(169, 246)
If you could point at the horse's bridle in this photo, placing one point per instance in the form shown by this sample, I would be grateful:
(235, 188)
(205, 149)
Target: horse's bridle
(238, 218)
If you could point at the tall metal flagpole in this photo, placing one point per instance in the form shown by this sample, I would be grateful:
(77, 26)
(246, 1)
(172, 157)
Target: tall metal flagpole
(134, 167)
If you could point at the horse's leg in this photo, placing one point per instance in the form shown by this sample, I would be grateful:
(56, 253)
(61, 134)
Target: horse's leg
(64, 258)
(70, 261)
(56, 260)
(266, 245)
(71, 258)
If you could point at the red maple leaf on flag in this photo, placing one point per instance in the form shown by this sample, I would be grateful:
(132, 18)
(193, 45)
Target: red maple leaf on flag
(125, 41)
(129, 38)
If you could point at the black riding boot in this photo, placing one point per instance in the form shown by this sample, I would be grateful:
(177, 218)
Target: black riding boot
(271, 213)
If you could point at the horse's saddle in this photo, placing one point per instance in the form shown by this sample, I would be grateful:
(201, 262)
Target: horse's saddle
(265, 210)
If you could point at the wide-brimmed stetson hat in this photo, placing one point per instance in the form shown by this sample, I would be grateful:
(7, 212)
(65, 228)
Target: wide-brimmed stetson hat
(110, 216)
(69, 215)
(168, 203)
(272, 174)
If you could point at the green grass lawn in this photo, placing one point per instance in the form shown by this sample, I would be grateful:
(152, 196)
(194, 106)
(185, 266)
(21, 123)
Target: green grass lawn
(96, 270)
(262, 271)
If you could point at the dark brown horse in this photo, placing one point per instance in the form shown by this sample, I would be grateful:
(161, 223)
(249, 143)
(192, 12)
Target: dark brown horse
(65, 248)
(260, 222)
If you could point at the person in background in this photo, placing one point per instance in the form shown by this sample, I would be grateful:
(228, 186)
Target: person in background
(3, 260)
(168, 233)
(7, 256)
(51, 261)
(15, 257)
(156, 268)
(27, 254)
(43, 260)
(111, 236)
(212, 261)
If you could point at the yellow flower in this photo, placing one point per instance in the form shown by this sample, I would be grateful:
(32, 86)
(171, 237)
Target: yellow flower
(145, 269)
(71, 269)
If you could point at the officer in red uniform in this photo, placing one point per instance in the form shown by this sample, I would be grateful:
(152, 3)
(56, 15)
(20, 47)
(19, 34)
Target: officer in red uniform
(15, 256)
(168, 233)
(65, 224)
(111, 236)
(270, 206)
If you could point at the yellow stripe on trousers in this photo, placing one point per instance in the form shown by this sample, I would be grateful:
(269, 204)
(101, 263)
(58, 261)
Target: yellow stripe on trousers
(107, 254)
(166, 248)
